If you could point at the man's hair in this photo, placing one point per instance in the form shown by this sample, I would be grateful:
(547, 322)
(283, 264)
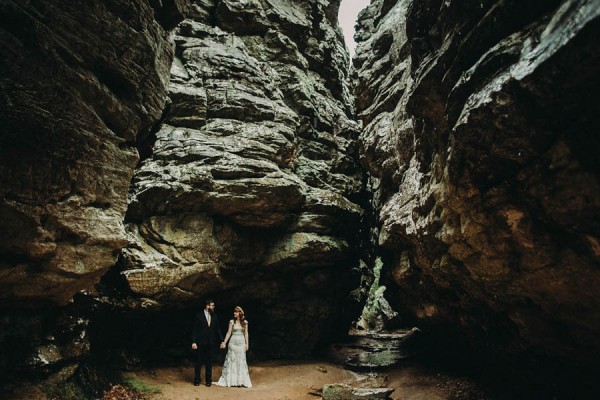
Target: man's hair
(207, 302)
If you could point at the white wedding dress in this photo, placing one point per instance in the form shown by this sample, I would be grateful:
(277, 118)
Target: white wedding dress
(235, 368)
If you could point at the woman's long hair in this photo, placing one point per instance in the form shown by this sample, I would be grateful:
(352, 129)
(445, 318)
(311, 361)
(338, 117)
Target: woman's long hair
(241, 316)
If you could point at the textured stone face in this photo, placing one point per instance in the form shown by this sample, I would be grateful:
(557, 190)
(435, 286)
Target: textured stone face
(80, 82)
(480, 131)
(55, 342)
(252, 182)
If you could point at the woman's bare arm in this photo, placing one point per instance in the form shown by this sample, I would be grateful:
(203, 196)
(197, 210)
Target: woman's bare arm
(229, 330)
(246, 335)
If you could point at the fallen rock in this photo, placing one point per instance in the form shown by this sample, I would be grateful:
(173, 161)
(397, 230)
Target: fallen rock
(341, 391)
(368, 351)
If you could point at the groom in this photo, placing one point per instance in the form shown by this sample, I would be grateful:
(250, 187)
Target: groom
(205, 338)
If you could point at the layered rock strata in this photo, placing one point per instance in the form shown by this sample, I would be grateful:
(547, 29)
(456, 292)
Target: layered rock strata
(480, 133)
(81, 82)
(251, 188)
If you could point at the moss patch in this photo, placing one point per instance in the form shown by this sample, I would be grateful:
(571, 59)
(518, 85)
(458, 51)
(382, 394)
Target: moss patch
(133, 382)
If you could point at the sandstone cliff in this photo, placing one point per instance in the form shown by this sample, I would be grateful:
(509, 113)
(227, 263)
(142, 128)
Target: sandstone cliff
(246, 185)
(249, 192)
(81, 81)
(481, 135)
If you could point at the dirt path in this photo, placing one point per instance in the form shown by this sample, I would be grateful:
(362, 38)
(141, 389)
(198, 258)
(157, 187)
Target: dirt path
(279, 380)
(303, 381)
(271, 381)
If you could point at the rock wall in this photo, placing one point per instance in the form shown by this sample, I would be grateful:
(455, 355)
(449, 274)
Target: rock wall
(250, 190)
(81, 82)
(481, 137)
(237, 178)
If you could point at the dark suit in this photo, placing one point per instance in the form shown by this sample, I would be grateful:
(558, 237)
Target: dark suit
(206, 338)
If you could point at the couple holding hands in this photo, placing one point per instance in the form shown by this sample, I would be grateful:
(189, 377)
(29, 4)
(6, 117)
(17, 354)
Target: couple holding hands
(204, 339)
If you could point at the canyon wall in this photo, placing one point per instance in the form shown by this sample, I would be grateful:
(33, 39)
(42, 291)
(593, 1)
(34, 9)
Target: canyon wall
(250, 191)
(80, 84)
(143, 171)
(481, 137)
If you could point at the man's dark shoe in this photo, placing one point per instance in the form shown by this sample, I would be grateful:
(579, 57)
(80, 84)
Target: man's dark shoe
(196, 383)
(208, 384)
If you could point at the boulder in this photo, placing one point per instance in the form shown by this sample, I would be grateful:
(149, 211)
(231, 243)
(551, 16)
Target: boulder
(341, 391)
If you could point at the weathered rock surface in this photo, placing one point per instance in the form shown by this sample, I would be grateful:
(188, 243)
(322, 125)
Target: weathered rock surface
(342, 391)
(35, 344)
(481, 134)
(81, 82)
(368, 351)
(251, 188)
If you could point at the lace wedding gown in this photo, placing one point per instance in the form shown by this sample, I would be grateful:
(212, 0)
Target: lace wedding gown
(235, 369)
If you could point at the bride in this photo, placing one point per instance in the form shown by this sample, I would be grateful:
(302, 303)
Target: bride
(235, 369)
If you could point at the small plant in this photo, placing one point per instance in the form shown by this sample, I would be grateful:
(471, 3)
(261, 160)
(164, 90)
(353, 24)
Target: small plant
(133, 382)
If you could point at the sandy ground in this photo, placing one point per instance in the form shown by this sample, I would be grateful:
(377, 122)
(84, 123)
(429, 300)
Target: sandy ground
(303, 381)
(280, 380)
(417, 383)
(270, 380)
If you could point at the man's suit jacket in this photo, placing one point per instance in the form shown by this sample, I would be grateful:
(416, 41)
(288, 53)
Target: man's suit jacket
(204, 334)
